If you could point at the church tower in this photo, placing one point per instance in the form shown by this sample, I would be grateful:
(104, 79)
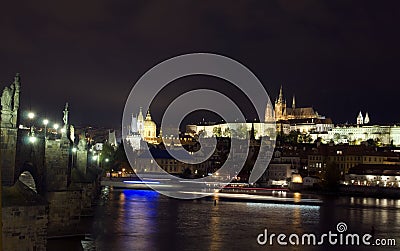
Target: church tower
(112, 139)
(140, 122)
(360, 119)
(366, 119)
(280, 107)
(135, 139)
(134, 123)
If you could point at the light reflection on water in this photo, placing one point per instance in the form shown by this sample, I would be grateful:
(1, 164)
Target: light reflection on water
(145, 220)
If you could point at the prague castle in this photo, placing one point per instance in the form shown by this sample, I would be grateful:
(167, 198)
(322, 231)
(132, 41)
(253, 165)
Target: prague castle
(302, 119)
(282, 112)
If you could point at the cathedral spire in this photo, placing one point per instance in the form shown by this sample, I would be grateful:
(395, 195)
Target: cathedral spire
(140, 122)
(294, 102)
(140, 116)
(280, 99)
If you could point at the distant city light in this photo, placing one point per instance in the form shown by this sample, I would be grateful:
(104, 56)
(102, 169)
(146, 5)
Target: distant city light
(45, 122)
(56, 126)
(107, 160)
(94, 157)
(31, 115)
(74, 149)
(297, 178)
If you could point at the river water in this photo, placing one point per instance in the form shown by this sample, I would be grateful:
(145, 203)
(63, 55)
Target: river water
(145, 220)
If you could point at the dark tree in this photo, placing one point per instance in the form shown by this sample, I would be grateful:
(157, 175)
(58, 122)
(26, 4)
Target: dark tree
(331, 176)
(107, 156)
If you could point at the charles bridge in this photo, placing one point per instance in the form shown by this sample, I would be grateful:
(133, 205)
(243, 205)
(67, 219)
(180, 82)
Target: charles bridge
(47, 182)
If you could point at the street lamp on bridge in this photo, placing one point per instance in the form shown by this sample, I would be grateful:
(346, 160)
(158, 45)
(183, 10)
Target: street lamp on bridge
(45, 123)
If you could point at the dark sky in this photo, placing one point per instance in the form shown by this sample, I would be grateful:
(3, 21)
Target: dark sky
(338, 56)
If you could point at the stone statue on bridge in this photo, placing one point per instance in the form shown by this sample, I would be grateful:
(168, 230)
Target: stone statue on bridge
(16, 85)
(82, 144)
(8, 130)
(6, 99)
(10, 104)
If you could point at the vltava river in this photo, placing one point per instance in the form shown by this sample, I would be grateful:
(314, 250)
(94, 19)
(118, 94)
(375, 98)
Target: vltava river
(145, 220)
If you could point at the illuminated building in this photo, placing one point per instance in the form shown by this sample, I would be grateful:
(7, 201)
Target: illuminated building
(302, 119)
(150, 130)
(142, 130)
(374, 175)
(346, 157)
(305, 120)
(283, 112)
(150, 161)
(224, 130)
(361, 132)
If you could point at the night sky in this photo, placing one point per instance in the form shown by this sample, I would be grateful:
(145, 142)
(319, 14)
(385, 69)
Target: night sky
(338, 56)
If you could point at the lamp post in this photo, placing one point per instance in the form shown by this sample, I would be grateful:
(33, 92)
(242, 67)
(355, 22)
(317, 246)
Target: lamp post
(45, 123)
(32, 139)
(95, 159)
(31, 116)
(56, 126)
(99, 160)
(73, 155)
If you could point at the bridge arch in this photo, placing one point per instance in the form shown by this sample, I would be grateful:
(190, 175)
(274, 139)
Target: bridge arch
(29, 175)
(27, 178)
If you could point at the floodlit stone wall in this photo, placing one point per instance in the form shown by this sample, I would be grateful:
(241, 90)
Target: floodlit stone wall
(64, 211)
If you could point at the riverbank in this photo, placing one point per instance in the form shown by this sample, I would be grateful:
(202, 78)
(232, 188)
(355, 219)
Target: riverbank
(342, 190)
(370, 191)
(358, 191)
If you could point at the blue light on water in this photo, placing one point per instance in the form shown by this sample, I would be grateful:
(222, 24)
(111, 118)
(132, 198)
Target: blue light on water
(148, 195)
